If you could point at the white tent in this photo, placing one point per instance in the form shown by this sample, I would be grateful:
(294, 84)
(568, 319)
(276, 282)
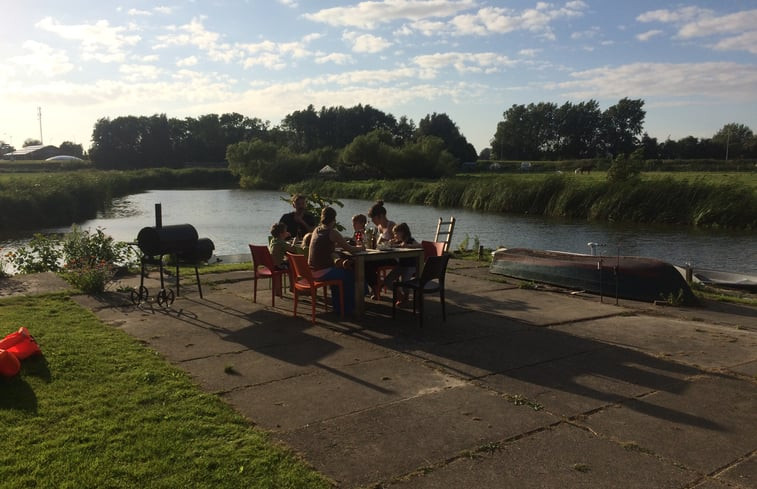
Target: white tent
(327, 169)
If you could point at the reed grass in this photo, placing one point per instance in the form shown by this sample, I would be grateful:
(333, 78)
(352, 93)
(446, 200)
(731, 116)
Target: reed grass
(34, 200)
(701, 200)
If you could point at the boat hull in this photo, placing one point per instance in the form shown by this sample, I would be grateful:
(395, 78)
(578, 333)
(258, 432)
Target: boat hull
(628, 277)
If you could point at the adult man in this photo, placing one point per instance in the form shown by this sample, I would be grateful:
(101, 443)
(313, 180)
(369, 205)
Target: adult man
(298, 222)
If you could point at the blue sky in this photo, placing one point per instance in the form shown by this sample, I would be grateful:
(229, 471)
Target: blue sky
(694, 63)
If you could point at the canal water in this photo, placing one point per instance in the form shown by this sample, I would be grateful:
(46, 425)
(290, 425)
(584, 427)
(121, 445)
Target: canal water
(232, 218)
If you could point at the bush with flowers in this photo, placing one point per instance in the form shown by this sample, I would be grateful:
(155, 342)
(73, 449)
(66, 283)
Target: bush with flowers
(87, 260)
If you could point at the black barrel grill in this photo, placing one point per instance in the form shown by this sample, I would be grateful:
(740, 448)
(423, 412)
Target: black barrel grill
(181, 242)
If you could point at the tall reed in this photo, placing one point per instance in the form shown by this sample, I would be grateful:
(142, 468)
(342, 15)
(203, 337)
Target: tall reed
(698, 202)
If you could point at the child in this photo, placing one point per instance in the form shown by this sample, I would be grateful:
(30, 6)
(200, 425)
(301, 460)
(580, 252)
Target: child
(358, 225)
(279, 246)
(401, 238)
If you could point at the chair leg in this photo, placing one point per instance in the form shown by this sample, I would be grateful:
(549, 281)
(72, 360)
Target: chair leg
(273, 290)
(313, 297)
(441, 298)
(394, 299)
(420, 306)
(255, 289)
(296, 295)
(341, 300)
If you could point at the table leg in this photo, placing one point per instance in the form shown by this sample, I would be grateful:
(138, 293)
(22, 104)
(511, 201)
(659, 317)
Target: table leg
(359, 285)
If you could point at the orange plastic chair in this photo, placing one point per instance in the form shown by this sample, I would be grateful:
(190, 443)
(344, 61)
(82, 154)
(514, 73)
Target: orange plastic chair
(262, 266)
(432, 248)
(305, 282)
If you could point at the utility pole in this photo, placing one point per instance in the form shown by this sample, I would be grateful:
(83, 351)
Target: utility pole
(727, 143)
(39, 116)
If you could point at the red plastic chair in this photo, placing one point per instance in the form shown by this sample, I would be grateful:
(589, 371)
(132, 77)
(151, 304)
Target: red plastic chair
(432, 248)
(305, 282)
(262, 266)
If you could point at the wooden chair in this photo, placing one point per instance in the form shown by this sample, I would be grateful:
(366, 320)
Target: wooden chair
(262, 267)
(432, 248)
(431, 281)
(444, 231)
(305, 282)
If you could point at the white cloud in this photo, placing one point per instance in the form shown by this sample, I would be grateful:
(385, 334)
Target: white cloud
(42, 60)
(716, 80)
(737, 30)
(137, 73)
(163, 10)
(743, 42)
(288, 3)
(187, 62)
(336, 58)
(195, 34)
(368, 14)
(366, 43)
(529, 53)
(98, 41)
(646, 36)
(135, 12)
(497, 20)
(462, 62)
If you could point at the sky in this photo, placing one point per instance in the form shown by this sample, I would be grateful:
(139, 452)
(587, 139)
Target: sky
(694, 63)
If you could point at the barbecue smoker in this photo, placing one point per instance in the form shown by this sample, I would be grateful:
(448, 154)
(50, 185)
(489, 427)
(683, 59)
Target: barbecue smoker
(181, 243)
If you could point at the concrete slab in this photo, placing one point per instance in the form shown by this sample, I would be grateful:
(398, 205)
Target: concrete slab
(333, 392)
(483, 356)
(538, 308)
(704, 427)
(402, 437)
(699, 344)
(32, 284)
(743, 473)
(313, 350)
(587, 381)
(563, 456)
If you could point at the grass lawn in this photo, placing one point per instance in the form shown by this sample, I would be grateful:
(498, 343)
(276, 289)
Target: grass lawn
(98, 410)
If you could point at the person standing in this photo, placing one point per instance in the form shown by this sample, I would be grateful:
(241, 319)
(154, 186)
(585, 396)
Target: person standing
(298, 222)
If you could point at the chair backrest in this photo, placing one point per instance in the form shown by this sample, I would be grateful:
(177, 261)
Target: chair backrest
(261, 257)
(432, 248)
(435, 268)
(299, 264)
(444, 231)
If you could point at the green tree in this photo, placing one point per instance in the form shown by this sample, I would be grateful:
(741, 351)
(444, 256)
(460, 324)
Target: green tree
(578, 128)
(441, 126)
(734, 139)
(621, 126)
(6, 148)
(72, 149)
(31, 142)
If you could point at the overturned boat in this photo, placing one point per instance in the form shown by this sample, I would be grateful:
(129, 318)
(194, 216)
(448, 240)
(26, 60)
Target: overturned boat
(627, 277)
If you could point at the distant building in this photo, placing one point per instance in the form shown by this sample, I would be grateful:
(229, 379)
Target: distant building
(34, 152)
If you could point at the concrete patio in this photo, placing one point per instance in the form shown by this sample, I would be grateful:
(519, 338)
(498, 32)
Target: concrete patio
(518, 388)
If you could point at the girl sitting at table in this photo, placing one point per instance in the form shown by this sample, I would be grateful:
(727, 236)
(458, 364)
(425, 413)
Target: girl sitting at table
(401, 238)
(323, 243)
(278, 245)
(358, 226)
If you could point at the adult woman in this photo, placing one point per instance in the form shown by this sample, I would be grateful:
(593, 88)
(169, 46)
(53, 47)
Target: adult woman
(325, 238)
(377, 213)
(384, 226)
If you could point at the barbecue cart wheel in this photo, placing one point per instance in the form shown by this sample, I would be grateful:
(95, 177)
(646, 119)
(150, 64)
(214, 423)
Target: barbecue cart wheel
(139, 295)
(165, 297)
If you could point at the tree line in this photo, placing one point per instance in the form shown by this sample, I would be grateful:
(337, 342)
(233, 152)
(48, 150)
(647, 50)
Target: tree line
(362, 141)
(546, 131)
